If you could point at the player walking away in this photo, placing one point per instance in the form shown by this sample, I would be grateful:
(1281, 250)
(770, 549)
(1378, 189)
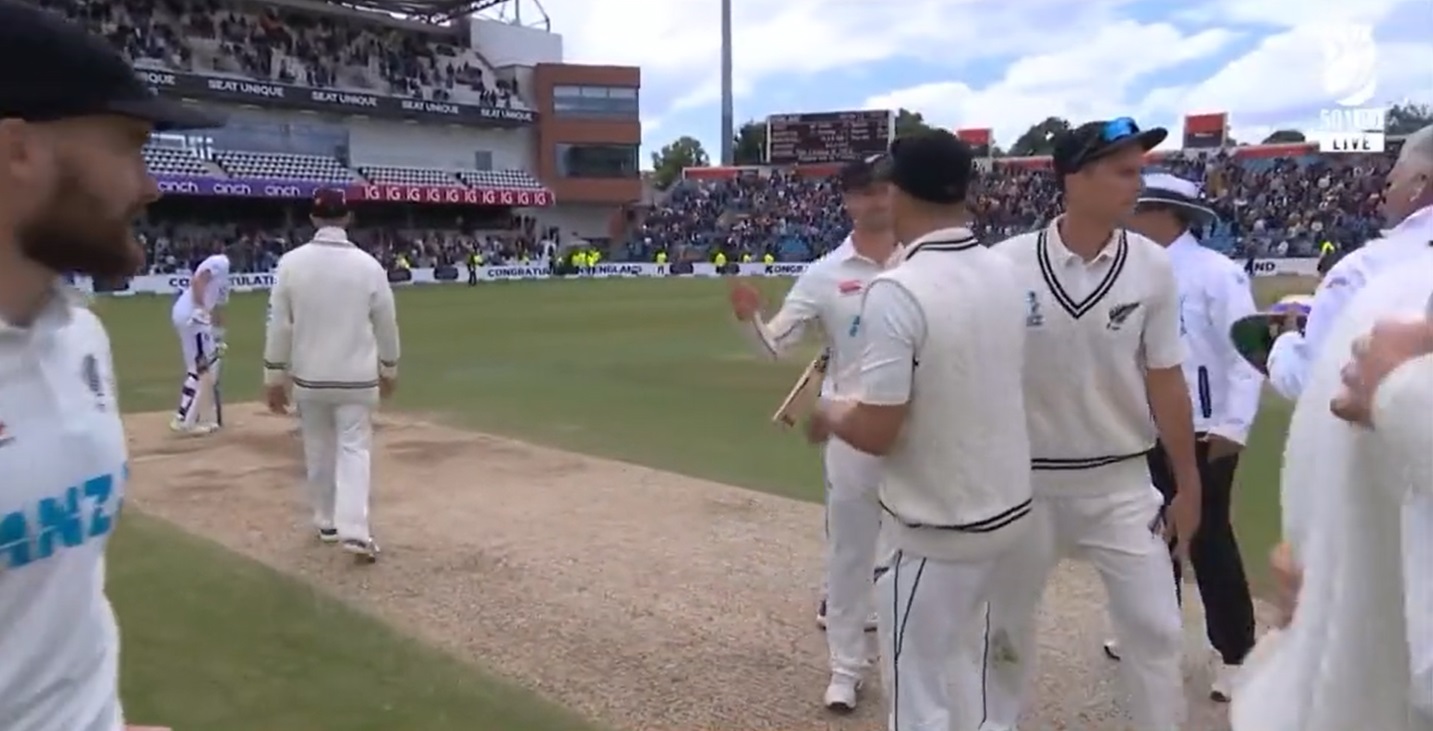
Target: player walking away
(1408, 209)
(333, 336)
(197, 319)
(829, 293)
(1104, 350)
(1343, 661)
(940, 401)
(1214, 293)
(72, 180)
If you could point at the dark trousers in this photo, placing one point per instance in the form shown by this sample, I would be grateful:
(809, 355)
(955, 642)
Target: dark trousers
(1218, 567)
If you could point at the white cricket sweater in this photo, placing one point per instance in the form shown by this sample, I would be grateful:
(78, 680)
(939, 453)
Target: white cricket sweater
(333, 327)
(957, 481)
(1092, 329)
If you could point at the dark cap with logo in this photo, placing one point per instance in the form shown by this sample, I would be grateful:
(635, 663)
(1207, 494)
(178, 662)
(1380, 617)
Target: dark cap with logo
(933, 166)
(859, 176)
(1092, 141)
(330, 203)
(76, 74)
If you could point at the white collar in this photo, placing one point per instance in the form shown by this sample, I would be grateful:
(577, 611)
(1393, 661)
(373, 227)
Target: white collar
(1416, 221)
(1185, 242)
(942, 239)
(847, 251)
(1056, 245)
(331, 235)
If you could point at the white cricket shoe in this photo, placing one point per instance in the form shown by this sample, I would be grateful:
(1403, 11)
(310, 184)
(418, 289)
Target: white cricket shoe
(191, 430)
(841, 693)
(363, 551)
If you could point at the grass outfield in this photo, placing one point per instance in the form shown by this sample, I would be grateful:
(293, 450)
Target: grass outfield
(648, 371)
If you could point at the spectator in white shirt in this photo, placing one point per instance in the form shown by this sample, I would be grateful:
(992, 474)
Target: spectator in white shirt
(1214, 294)
(940, 401)
(1343, 662)
(333, 336)
(73, 119)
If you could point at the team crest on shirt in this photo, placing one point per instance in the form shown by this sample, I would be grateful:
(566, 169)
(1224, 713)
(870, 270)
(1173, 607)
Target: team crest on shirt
(1033, 316)
(1119, 314)
(850, 286)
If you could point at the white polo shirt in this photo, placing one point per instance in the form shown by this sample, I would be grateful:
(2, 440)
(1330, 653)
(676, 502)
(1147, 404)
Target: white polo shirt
(1093, 328)
(1293, 355)
(1214, 293)
(216, 291)
(941, 331)
(62, 455)
(829, 293)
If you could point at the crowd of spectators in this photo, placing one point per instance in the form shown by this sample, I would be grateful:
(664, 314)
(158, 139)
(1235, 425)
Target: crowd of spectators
(1267, 207)
(255, 246)
(289, 46)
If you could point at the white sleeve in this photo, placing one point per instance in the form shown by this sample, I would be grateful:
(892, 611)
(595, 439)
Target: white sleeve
(1234, 301)
(1403, 422)
(1293, 355)
(383, 315)
(1163, 345)
(775, 337)
(278, 334)
(892, 333)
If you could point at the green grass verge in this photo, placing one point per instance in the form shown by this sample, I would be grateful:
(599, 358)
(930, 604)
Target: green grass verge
(648, 371)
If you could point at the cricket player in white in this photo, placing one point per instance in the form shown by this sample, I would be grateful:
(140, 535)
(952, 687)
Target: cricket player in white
(1105, 355)
(72, 180)
(1408, 208)
(333, 336)
(829, 294)
(197, 319)
(1214, 294)
(940, 401)
(1343, 662)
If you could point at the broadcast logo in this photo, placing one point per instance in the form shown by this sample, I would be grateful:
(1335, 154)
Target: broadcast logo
(1350, 77)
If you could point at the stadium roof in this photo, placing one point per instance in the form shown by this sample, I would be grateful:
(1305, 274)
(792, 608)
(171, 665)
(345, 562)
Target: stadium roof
(430, 9)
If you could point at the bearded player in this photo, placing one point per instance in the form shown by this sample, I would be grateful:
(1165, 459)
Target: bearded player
(72, 181)
(198, 323)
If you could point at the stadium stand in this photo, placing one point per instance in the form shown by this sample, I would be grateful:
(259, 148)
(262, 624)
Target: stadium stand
(284, 166)
(1273, 200)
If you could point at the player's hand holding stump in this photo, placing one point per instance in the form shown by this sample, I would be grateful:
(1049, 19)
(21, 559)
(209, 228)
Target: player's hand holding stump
(386, 386)
(1288, 579)
(1183, 517)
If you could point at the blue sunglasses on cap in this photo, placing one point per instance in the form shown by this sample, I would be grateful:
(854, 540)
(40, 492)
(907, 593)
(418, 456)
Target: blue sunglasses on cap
(1110, 132)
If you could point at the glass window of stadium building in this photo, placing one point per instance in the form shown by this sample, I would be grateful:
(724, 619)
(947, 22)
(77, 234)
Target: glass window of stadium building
(612, 102)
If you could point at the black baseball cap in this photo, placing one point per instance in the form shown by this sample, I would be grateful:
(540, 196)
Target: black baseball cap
(76, 74)
(860, 175)
(933, 166)
(330, 203)
(1093, 140)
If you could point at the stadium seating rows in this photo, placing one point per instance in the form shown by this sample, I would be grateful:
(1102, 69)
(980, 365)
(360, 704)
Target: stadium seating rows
(1269, 206)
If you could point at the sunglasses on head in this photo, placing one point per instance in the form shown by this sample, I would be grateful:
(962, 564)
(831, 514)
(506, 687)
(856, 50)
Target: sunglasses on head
(1110, 132)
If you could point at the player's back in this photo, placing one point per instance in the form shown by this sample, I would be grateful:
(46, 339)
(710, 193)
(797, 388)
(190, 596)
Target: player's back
(331, 291)
(960, 471)
(216, 291)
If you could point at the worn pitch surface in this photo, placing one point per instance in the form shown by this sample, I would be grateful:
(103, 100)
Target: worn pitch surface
(644, 599)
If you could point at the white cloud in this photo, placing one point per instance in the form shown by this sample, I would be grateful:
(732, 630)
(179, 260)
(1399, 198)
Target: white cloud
(1278, 83)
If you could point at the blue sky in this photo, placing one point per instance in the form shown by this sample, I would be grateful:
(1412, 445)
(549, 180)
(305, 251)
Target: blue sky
(1007, 63)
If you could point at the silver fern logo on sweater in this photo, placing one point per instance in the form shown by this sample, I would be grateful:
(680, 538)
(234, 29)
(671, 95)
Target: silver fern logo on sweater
(1119, 314)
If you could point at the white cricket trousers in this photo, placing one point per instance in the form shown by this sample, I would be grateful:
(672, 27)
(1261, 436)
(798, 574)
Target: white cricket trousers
(1117, 532)
(925, 609)
(853, 529)
(337, 438)
(196, 345)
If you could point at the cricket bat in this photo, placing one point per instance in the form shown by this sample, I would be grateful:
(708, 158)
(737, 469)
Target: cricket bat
(810, 381)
